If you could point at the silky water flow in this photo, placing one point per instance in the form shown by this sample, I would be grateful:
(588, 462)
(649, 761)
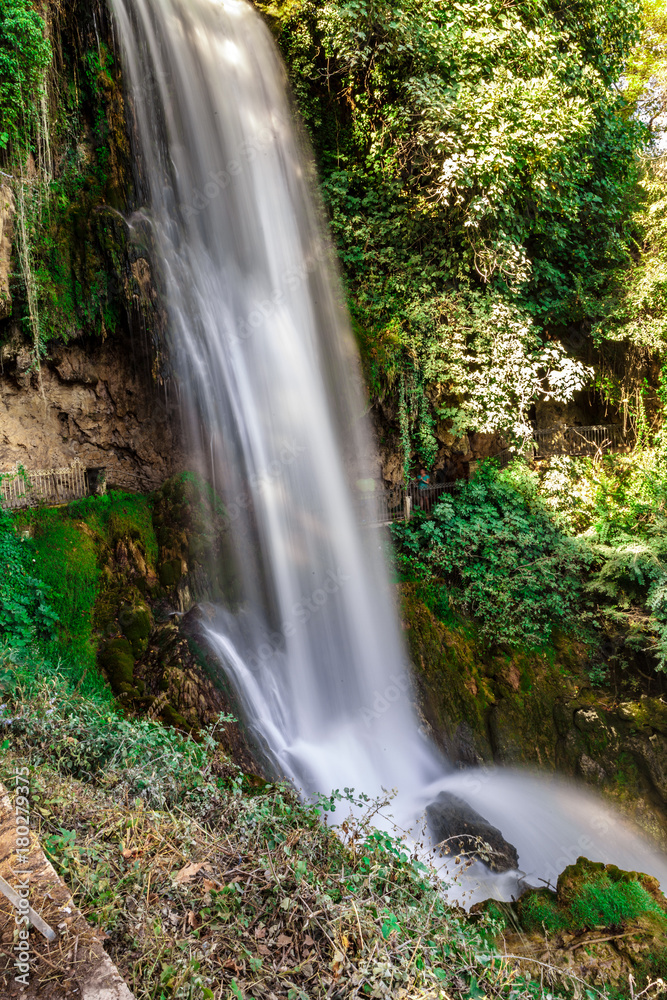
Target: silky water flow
(273, 405)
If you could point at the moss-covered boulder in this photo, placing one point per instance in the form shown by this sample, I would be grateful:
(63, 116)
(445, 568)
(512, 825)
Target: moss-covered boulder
(196, 561)
(136, 622)
(117, 660)
(589, 896)
(595, 895)
(601, 924)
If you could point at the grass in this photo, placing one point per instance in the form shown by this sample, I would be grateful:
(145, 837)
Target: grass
(604, 903)
(66, 549)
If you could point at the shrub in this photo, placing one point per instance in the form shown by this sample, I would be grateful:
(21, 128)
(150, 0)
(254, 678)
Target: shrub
(500, 556)
(26, 603)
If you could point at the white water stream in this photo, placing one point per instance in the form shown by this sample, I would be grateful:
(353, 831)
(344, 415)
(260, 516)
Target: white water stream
(272, 400)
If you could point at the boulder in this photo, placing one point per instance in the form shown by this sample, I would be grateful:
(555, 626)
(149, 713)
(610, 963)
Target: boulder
(456, 827)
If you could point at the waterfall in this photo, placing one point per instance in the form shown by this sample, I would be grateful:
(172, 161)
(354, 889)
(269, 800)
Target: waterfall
(274, 408)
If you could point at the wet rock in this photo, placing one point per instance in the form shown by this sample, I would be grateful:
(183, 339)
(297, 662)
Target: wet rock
(456, 827)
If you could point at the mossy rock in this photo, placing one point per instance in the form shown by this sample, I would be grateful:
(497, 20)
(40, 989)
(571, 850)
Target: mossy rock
(170, 573)
(592, 895)
(597, 895)
(136, 622)
(117, 659)
(174, 718)
(538, 910)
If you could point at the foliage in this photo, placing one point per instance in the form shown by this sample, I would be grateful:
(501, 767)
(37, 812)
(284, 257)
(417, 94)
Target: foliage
(634, 305)
(71, 242)
(617, 508)
(646, 71)
(26, 601)
(478, 164)
(65, 549)
(577, 544)
(500, 556)
(87, 737)
(25, 53)
(246, 890)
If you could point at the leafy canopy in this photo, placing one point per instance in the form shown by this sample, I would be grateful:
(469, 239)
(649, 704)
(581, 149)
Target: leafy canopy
(478, 163)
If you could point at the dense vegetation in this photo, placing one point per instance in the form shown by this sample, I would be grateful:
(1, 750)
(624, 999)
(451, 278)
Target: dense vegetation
(482, 167)
(64, 150)
(497, 195)
(575, 545)
(24, 56)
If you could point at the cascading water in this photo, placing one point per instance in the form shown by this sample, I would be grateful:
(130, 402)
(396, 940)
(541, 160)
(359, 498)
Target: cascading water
(274, 409)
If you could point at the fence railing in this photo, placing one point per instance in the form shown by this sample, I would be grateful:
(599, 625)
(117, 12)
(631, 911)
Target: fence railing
(399, 502)
(587, 441)
(20, 488)
(568, 440)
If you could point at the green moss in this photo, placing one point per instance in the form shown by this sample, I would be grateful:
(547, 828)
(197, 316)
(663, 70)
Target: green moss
(118, 662)
(170, 573)
(70, 546)
(136, 622)
(605, 903)
(174, 718)
(66, 560)
(539, 912)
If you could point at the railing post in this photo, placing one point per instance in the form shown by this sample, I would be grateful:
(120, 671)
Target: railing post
(407, 506)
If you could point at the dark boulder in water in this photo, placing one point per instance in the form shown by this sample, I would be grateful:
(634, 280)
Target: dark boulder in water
(456, 828)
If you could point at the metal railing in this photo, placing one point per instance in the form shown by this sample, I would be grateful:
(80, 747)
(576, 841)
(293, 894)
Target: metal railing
(571, 440)
(398, 503)
(565, 439)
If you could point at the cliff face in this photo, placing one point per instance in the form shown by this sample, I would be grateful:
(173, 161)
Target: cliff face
(95, 401)
(81, 325)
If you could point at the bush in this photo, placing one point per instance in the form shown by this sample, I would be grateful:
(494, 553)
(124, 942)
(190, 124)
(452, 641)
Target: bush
(501, 558)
